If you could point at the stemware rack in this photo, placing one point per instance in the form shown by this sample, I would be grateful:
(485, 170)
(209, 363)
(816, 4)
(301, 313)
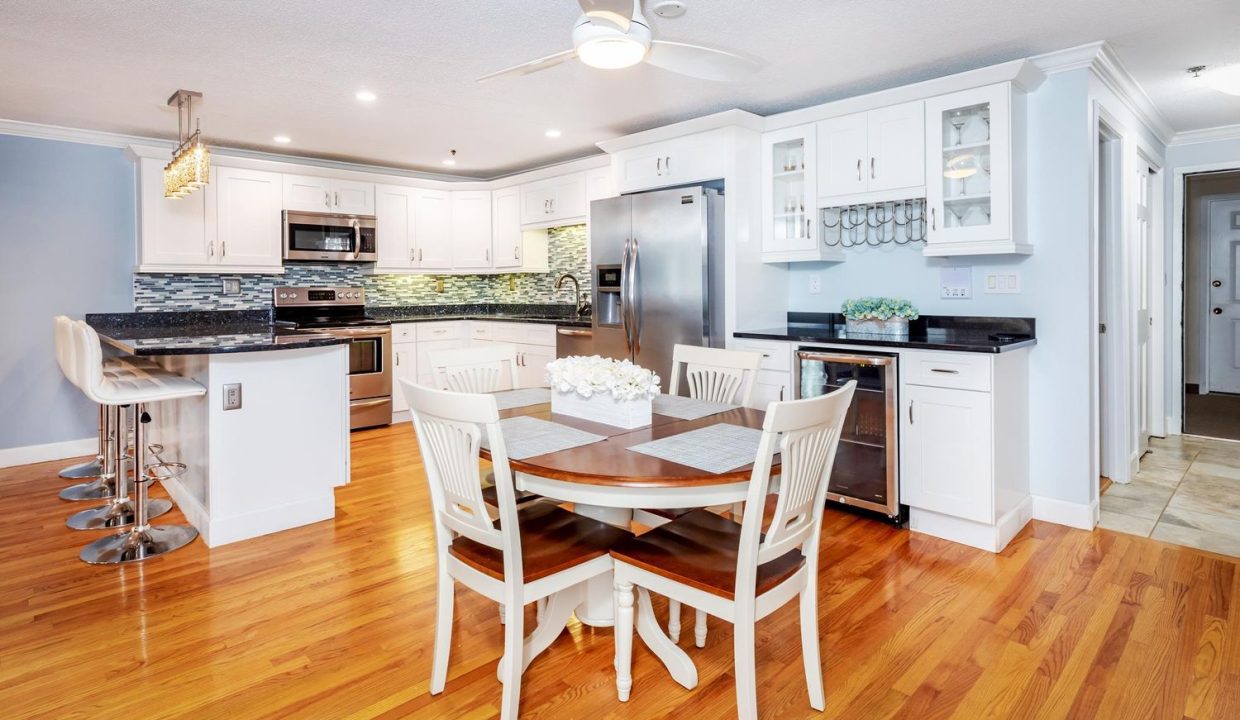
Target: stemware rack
(897, 222)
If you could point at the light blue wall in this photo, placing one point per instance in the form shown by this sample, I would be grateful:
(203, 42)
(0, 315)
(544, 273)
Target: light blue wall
(66, 246)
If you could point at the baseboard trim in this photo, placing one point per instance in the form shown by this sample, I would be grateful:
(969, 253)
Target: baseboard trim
(232, 529)
(193, 510)
(11, 457)
(991, 538)
(1061, 512)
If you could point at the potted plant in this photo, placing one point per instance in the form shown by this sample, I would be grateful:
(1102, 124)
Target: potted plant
(612, 392)
(878, 315)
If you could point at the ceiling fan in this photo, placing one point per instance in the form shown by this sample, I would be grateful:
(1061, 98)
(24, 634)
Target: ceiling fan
(613, 34)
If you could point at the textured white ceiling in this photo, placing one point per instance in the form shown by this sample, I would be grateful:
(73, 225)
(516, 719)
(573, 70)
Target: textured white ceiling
(292, 67)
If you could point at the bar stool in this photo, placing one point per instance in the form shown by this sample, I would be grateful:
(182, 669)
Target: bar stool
(142, 540)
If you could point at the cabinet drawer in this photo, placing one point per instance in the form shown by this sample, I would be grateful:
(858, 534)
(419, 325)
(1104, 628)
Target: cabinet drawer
(770, 387)
(404, 332)
(525, 333)
(947, 370)
(481, 331)
(453, 330)
(776, 355)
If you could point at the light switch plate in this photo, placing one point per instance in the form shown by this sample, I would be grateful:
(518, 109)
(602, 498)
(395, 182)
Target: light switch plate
(815, 284)
(956, 283)
(1002, 282)
(232, 396)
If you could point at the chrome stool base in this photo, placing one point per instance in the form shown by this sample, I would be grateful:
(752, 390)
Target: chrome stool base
(114, 515)
(138, 544)
(82, 471)
(101, 489)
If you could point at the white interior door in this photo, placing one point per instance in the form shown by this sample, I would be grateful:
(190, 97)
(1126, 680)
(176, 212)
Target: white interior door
(1223, 320)
(1141, 353)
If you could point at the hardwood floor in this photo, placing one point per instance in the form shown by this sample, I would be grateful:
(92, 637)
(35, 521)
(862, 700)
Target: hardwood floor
(335, 620)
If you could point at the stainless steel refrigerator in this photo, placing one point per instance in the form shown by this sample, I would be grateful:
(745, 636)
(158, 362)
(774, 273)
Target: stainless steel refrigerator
(658, 274)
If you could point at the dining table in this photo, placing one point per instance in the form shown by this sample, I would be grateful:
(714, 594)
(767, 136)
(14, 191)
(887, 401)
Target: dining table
(607, 481)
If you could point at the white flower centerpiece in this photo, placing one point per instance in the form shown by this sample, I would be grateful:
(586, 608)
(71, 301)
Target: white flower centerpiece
(612, 392)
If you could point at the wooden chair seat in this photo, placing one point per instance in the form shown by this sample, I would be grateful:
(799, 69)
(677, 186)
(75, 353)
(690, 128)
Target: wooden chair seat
(700, 549)
(552, 540)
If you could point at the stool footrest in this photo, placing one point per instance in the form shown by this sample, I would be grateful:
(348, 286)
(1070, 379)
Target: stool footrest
(165, 470)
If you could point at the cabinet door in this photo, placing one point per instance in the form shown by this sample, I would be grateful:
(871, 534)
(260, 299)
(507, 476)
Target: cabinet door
(471, 229)
(425, 371)
(304, 193)
(945, 450)
(506, 227)
(536, 201)
(639, 169)
(842, 155)
(770, 387)
(897, 143)
(432, 229)
(404, 367)
(968, 165)
(173, 230)
(352, 197)
(248, 221)
(570, 197)
(394, 213)
(789, 190)
(599, 185)
(532, 363)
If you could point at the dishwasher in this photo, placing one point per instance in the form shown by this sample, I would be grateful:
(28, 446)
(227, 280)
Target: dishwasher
(866, 471)
(571, 340)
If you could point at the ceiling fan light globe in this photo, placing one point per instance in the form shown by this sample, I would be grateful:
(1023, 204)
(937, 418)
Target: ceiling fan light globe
(611, 53)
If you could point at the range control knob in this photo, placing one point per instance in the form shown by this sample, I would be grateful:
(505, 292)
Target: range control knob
(292, 296)
(283, 295)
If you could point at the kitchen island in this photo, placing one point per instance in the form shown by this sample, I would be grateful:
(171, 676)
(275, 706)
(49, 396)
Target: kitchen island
(269, 442)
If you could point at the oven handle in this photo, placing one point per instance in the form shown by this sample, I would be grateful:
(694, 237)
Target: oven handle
(871, 360)
(369, 403)
(358, 332)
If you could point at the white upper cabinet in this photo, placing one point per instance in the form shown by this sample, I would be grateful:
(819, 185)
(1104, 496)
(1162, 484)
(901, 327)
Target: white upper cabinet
(692, 158)
(471, 229)
(306, 193)
(790, 228)
(872, 156)
(506, 227)
(432, 229)
(248, 223)
(172, 232)
(555, 200)
(974, 199)
(394, 223)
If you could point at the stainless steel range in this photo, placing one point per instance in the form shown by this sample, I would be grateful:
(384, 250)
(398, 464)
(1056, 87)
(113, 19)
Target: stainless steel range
(341, 311)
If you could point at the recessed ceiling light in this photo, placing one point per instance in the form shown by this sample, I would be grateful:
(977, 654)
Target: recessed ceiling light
(282, 139)
(366, 96)
(553, 133)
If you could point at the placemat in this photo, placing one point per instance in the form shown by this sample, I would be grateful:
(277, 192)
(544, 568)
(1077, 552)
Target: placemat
(715, 448)
(688, 408)
(509, 399)
(526, 437)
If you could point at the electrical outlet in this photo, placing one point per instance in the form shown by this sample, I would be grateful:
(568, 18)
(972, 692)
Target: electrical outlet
(956, 283)
(231, 286)
(232, 396)
(1003, 282)
(815, 284)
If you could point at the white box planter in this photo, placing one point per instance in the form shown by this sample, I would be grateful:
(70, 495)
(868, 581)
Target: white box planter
(602, 408)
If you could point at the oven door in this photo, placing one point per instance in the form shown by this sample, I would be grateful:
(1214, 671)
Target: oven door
(336, 238)
(866, 463)
(370, 375)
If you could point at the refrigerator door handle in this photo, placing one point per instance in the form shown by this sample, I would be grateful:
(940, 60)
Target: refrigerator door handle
(624, 296)
(635, 307)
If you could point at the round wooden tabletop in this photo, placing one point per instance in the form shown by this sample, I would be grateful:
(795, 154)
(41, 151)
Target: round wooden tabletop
(610, 463)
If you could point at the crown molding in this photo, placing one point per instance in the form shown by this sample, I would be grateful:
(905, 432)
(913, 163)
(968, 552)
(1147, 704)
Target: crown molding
(1214, 134)
(692, 126)
(1073, 58)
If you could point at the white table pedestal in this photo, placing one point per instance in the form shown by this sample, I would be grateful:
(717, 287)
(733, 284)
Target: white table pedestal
(599, 608)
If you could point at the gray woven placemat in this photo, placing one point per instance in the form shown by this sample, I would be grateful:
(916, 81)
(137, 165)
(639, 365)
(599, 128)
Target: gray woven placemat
(688, 408)
(524, 397)
(526, 437)
(715, 448)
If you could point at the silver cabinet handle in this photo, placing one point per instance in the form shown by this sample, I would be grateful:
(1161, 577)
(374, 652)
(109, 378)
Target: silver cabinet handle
(552, 206)
(211, 249)
(223, 248)
(327, 198)
(781, 393)
(945, 371)
(488, 254)
(337, 198)
(412, 254)
(910, 412)
(658, 166)
(516, 252)
(809, 229)
(871, 168)
(546, 206)
(858, 169)
(933, 216)
(397, 359)
(667, 164)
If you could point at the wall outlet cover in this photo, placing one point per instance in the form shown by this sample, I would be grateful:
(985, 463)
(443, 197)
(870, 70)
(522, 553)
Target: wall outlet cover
(231, 286)
(956, 283)
(999, 282)
(815, 284)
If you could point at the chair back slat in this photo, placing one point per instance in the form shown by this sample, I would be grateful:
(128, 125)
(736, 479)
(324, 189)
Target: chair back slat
(714, 374)
(475, 369)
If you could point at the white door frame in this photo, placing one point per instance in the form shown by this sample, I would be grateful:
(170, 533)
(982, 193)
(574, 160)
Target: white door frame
(1175, 323)
(1111, 456)
(1158, 390)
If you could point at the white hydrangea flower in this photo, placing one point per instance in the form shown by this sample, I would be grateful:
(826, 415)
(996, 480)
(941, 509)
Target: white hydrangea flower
(587, 376)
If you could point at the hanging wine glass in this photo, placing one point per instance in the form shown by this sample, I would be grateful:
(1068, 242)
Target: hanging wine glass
(957, 121)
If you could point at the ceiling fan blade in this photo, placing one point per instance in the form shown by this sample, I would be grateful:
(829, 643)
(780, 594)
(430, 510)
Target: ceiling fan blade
(700, 62)
(617, 13)
(533, 66)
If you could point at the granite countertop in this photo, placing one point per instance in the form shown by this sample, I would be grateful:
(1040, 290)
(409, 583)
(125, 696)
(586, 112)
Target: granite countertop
(539, 314)
(202, 333)
(957, 334)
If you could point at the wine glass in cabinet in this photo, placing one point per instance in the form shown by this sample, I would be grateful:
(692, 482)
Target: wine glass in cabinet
(791, 231)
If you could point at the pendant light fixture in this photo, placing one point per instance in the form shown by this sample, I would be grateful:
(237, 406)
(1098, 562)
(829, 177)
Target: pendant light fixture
(191, 161)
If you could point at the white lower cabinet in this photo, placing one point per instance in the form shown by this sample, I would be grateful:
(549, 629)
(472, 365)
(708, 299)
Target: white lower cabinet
(404, 367)
(774, 381)
(964, 445)
(532, 364)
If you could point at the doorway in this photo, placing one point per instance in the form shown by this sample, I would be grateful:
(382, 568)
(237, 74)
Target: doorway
(1109, 282)
(1212, 305)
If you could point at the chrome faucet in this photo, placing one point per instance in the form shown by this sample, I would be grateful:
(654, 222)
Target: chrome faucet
(581, 303)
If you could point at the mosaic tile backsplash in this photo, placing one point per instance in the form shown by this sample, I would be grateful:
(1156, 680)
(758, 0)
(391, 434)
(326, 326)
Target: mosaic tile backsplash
(567, 251)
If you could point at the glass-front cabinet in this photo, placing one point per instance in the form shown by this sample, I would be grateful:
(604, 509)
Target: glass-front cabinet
(790, 228)
(971, 139)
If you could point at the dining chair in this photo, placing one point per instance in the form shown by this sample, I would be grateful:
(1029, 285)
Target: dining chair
(715, 375)
(539, 551)
(738, 572)
(479, 369)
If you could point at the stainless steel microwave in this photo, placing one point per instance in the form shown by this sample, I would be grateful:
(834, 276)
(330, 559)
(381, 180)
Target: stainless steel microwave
(328, 237)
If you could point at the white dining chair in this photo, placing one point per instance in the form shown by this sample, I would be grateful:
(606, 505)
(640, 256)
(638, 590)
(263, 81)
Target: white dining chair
(716, 375)
(539, 551)
(480, 369)
(735, 571)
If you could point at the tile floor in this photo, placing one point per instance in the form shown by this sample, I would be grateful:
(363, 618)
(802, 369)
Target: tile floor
(1187, 493)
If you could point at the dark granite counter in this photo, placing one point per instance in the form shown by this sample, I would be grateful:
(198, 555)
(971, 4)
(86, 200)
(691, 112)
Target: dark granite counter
(202, 333)
(551, 314)
(929, 332)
